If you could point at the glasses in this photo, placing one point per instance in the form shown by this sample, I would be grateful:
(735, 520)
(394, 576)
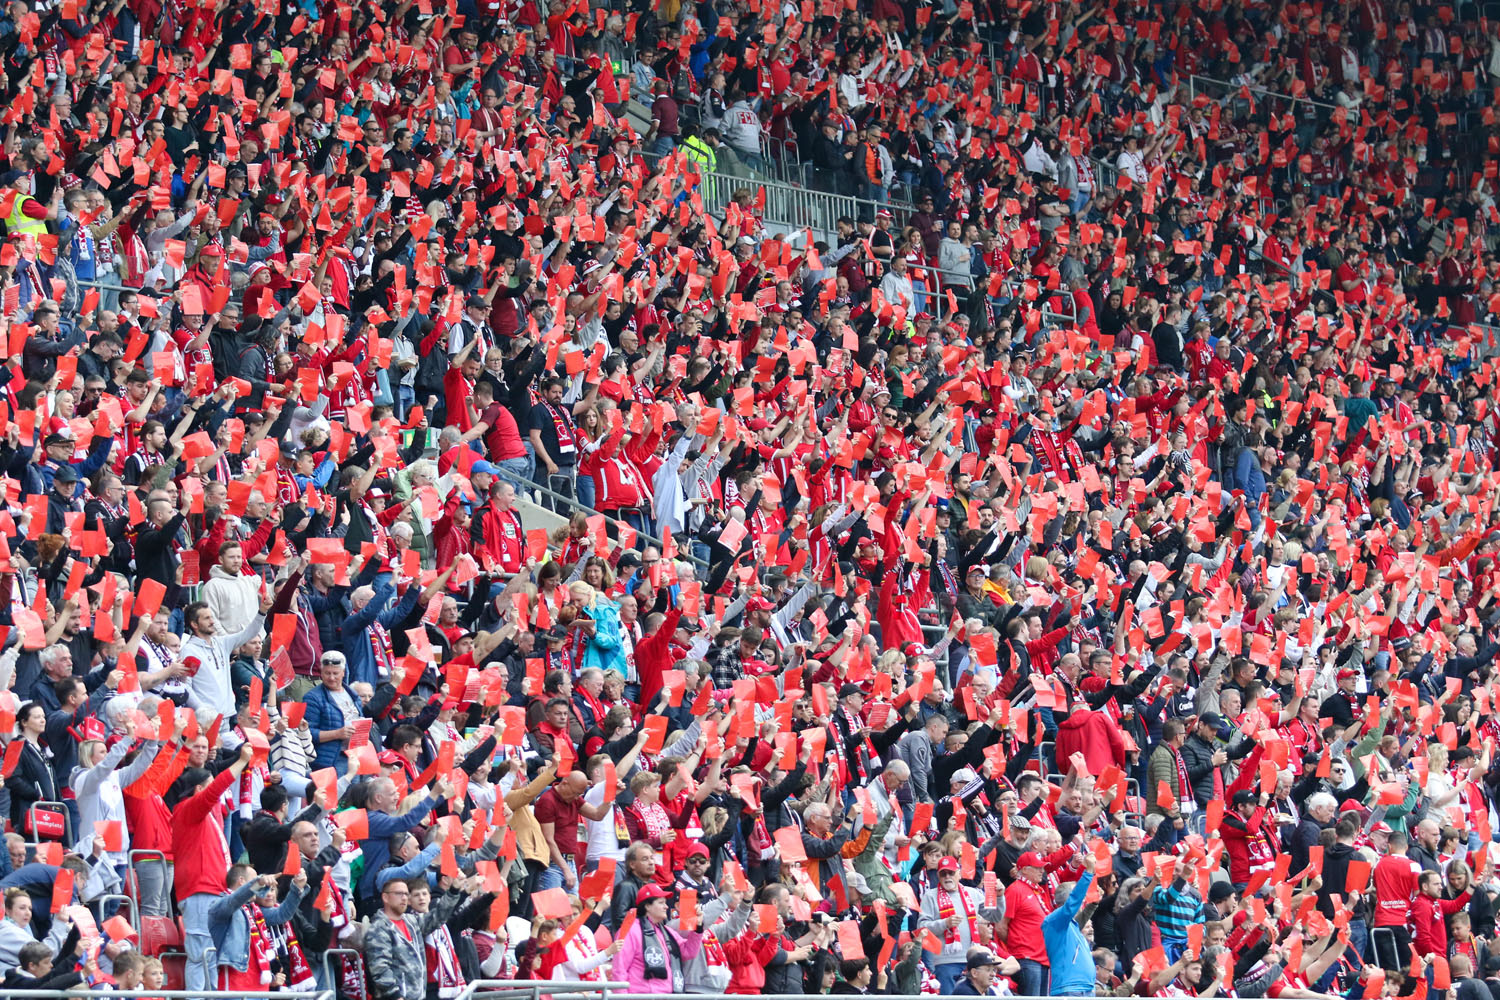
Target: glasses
(398, 893)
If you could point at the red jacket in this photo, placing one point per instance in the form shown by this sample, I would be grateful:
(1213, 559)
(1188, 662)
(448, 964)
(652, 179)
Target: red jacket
(617, 481)
(1093, 734)
(504, 539)
(199, 850)
(653, 657)
(748, 956)
(1427, 913)
(1026, 907)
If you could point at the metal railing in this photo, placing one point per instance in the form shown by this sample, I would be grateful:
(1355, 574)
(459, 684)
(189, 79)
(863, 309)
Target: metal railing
(114, 994)
(1229, 89)
(788, 205)
(533, 989)
(562, 502)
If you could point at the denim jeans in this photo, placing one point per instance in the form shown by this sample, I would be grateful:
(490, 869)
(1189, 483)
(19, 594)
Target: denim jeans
(197, 940)
(516, 471)
(948, 975)
(1033, 979)
(553, 877)
(153, 881)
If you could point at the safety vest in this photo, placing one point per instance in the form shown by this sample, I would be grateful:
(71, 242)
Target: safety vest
(19, 222)
(700, 153)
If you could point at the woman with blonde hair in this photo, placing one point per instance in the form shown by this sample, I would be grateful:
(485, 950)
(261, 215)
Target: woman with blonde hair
(604, 650)
(99, 782)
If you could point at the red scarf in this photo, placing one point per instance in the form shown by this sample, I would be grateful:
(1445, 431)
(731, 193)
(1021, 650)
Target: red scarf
(262, 949)
(946, 910)
(299, 975)
(442, 964)
(1185, 787)
(380, 648)
(562, 423)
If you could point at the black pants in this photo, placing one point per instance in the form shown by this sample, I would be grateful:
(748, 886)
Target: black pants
(1396, 958)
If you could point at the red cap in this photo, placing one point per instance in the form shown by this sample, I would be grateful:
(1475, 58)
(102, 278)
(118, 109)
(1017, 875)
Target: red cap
(948, 865)
(1031, 859)
(651, 891)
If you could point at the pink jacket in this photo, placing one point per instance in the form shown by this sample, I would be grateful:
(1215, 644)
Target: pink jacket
(630, 961)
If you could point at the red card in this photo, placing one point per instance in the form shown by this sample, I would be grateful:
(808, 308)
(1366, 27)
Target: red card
(118, 928)
(293, 863)
(113, 833)
(552, 903)
(354, 822)
(361, 735)
(850, 943)
(789, 842)
(62, 889)
(656, 726)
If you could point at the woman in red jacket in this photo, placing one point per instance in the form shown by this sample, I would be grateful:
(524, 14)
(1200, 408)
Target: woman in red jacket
(201, 853)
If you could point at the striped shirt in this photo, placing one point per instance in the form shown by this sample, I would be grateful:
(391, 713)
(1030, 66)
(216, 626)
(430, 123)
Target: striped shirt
(1176, 907)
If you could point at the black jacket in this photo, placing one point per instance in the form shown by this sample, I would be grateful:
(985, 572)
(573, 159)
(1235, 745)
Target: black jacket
(265, 838)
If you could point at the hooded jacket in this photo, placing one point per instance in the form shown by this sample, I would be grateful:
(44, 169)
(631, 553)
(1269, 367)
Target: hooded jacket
(1095, 735)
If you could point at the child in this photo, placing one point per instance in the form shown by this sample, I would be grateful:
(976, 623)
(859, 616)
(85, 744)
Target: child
(34, 971)
(153, 975)
(1462, 940)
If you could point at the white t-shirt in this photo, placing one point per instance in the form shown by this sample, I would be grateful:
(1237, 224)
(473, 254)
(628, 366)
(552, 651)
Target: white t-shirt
(604, 837)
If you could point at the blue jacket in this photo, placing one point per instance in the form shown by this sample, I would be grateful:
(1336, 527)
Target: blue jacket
(604, 649)
(1067, 949)
(377, 849)
(354, 637)
(322, 713)
(230, 927)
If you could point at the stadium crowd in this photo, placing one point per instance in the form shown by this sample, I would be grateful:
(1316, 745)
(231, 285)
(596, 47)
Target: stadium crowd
(437, 546)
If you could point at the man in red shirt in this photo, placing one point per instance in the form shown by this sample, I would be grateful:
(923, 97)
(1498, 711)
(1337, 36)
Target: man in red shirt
(1397, 880)
(502, 436)
(558, 811)
(1026, 905)
(1429, 913)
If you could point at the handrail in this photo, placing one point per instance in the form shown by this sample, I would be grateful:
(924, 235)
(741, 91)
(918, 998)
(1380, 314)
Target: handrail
(641, 536)
(1259, 91)
(135, 921)
(134, 856)
(329, 977)
(167, 994)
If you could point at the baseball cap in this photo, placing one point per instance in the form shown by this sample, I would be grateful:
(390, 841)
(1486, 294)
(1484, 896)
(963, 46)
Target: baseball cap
(1347, 673)
(1030, 859)
(651, 891)
(65, 474)
(849, 691)
(697, 851)
(481, 467)
(964, 774)
(948, 865)
(1211, 719)
(980, 957)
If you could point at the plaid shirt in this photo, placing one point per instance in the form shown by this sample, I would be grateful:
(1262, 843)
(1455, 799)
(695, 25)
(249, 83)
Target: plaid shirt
(725, 666)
